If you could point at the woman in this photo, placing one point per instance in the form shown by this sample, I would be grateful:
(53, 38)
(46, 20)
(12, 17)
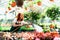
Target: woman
(17, 23)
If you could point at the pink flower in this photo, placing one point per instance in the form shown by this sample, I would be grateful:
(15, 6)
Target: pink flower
(56, 38)
(37, 39)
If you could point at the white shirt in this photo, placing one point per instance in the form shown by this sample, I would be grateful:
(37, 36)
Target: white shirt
(15, 20)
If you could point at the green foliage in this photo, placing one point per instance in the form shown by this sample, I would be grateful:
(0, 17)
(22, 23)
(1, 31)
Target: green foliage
(32, 16)
(9, 3)
(35, 16)
(26, 29)
(27, 16)
(46, 29)
(53, 12)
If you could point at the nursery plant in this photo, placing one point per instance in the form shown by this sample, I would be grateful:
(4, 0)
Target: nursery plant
(53, 13)
(32, 16)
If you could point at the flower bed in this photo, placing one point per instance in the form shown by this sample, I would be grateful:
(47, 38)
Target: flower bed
(31, 35)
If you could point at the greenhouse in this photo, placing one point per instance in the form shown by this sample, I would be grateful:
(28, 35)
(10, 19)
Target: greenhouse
(29, 19)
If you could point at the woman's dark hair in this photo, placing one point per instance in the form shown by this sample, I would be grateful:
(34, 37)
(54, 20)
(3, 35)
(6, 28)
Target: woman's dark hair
(20, 17)
(19, 3)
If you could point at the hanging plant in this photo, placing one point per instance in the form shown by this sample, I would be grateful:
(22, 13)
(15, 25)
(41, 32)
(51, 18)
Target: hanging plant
(52, 0)
(13, 4)
(53, 13)
(39, 3)
(9, 8)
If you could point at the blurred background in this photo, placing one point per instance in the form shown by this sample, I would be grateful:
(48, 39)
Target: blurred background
(8, 12)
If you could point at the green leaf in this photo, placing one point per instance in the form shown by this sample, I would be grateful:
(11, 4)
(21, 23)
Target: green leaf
(53, 12)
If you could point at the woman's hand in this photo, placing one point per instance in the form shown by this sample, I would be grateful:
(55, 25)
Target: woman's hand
(21, 24)
(27, 23)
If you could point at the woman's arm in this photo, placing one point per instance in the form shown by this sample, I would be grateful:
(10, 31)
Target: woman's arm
(24, 22)
(15, 25)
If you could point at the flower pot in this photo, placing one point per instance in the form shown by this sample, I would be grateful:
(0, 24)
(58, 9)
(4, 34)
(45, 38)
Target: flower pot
(39, 3)
(51, 26)
(19, 3)
(52, 0)
(9, 8)
(13, 4)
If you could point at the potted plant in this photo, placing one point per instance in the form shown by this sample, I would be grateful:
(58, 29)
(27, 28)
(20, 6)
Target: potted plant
(13, 4)
(19, 3)
(39, 3)
(52, 0)
(32, 16)
(9, 8)
(53, 13)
